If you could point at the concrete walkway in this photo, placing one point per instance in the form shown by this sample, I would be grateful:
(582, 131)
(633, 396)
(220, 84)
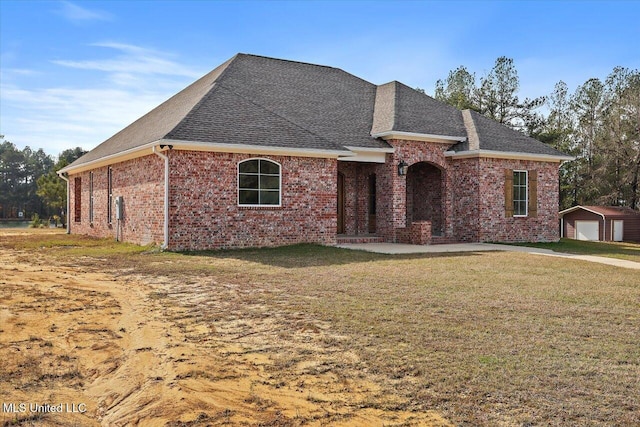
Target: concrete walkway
(399, 248)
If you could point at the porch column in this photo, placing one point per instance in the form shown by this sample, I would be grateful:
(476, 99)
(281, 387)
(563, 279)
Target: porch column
(392, 210)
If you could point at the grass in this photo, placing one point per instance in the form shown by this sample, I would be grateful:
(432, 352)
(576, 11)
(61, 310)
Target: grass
(485, 338)
(621, 250)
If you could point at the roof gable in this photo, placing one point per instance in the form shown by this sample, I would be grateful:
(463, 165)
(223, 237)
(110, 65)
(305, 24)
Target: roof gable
(403, 109)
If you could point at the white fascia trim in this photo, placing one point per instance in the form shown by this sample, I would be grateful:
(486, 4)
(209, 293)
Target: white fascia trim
(254, 149)
(426, 137)
(506, 155)
(575, 208)
(129, 154)
(370, 149)
(143, 150)
(367, 155)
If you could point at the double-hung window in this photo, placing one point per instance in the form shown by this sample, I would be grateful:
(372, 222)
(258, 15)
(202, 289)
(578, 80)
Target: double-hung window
(259, 183)
(520, 193)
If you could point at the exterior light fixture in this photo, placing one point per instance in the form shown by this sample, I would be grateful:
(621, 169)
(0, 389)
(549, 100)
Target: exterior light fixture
(402, 168)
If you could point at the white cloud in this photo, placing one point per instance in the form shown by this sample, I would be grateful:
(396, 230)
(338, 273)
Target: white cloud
(85, 114)
(77, 14)
(133, 59)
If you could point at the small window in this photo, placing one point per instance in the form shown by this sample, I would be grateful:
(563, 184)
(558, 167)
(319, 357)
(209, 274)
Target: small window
(109, 195)
(258, 183)
(520, 193)
(91, 197)
(77, 199)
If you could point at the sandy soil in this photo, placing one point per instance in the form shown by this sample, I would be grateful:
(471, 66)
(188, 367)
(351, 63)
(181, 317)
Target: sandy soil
(131, 350)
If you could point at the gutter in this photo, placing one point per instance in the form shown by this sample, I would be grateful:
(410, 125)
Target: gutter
(516, 155)
(165, 244)
(61, 175)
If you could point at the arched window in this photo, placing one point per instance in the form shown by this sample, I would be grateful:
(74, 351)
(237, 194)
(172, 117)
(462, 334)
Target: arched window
(258, 183)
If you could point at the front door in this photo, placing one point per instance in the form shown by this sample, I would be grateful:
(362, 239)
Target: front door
(340, 203)
(618, 228)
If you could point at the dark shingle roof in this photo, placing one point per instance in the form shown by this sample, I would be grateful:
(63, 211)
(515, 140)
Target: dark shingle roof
(254, 100)
(494, 136)
(324, 100)
(401, 108)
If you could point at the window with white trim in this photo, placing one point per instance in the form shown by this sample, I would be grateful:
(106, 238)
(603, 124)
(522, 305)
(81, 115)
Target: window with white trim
(259, 183)
(520, 193)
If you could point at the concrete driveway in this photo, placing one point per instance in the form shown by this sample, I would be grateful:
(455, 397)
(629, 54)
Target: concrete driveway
(399, 248)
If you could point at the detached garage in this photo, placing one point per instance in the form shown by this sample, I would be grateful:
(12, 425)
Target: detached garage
(606, 223)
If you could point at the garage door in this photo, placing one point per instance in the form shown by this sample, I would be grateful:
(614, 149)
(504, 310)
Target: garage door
(587, 230)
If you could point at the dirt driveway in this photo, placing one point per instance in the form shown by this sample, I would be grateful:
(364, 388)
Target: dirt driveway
(100, 348)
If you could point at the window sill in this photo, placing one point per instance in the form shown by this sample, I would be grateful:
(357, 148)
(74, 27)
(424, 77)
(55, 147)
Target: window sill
(260, 207)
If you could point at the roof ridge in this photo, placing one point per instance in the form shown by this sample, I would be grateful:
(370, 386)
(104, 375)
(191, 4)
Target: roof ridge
(396, 103)
(288, 60)
(252, 55)
(206, 95)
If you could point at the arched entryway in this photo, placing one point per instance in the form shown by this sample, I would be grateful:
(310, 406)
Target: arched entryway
(425, 199)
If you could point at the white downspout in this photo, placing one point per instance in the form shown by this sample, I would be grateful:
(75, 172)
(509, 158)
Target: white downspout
(165, 244)
(68, 202)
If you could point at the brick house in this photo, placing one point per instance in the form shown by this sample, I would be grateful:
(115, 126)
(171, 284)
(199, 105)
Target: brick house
(265, 152)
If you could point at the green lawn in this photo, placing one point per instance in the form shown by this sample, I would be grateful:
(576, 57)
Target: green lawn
(495, 338)
(621, 250)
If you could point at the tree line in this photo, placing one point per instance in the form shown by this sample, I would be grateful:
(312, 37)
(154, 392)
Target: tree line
(598, 124)
(29, 184)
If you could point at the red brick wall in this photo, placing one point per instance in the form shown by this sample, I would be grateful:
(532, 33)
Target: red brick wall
(494, 225)
(204, 213)
(141, 183)
(465, 187)
(472, 196)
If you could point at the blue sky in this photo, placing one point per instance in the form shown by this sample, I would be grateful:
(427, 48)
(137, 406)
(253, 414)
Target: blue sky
(72, 73)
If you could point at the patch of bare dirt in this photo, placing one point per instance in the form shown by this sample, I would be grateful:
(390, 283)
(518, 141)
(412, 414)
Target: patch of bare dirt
(125, 350)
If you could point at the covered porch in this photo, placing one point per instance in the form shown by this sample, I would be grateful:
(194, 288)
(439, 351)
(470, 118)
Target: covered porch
(380, 202)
